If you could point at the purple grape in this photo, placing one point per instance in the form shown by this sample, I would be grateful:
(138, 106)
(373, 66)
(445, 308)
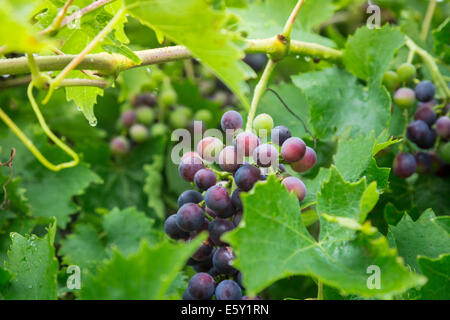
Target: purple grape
(237, 218)
(229, 160)
(213, 272)
(295, 185)
(205, 179)
(279, 135)
(425, 91)
(245, 143)
(203, 266)
(423, 162)
(256, 61)
(128, 118)
(236, 200)
(189, 166)
(419, 133)
(201, 286)
(217, 228)
(282, 168)
(190, 217)
(231, 120)
(228, 290)
(187, 295)
(209, 148)
(246, 176)
(265, 155)
(430, 104)
(238, 278)
(223, 259)
(217, 199)
(203, 253)
(119, 146)
(293, 149)
(189, 196)
(307, 162)
(172, 230)
(404, 98)
(144, 99)
(404, 165)
(426, 114)
(443, 127)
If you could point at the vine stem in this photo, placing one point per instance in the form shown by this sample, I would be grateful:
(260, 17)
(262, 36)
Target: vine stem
(76, 15)
(258, 93)
(319, 290)
(290, 21)
(101, 35)
(427, 20)
(56, 24)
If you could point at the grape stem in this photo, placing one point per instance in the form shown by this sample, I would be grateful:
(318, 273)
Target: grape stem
(427, 20)
(78, 14)
(291, 20)
(319, 290)
(56, 24)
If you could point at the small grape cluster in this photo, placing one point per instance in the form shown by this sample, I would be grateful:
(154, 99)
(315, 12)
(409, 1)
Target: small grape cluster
(221, 174)
(431, 124)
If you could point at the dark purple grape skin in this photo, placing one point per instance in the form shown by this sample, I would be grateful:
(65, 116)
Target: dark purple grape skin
(430, 104)
(205, 179)
(307, 162)
(443, 127)
(201, 286)
(218, 199)
(222, 260)
(236, 200)
(187, 295)
(203, 253)
(425, 91)
(229, 160)
(426, 114)
(237, 218)
(128, 118)
(119, 146)
(404, 165)
(279, 135)
(144, 99)
(419, 133)
(293, 149)
(228, 290)
(172, 230)
(190, 217)
(423, 162)
(238, 279)
(246, 176)
(189, 166)
(231, 120)
(189, 196)
(256, 61)
(213, 272)
(217, 228)
(203, 266)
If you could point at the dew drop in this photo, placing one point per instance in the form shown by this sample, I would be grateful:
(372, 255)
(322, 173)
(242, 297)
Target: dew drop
(93, 122)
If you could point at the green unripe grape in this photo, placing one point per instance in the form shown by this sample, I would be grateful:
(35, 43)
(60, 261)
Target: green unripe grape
(145, 115)
(203, 115)
(159, 129)
(207, 87)
(263, 124)
(157, 74)
(404, 98)
(390, 80)
(445, 152)
(138, 133)
(181, 117)
(168, 97)
(406, 72)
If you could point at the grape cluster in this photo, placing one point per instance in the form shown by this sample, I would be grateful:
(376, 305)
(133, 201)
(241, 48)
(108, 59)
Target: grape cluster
(220, 175)
(431, 124)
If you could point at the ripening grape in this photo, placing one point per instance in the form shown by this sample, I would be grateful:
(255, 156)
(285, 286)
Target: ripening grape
(307, 162)
(128, 118)
(205, 179)
(295, 185)
(265, 155)
(217, 228)
(189, 196)
(145, 115)
(390, 80)
(218, 199)
(246, 176)
(223, 259)
(190, 154)
(425, 91)
(245, 143)
(231, 120)
(293, 149)
(209, 148)
(201, 286)
(263, 124)
(138, 133)
(279, 135)
(406, 72)
(172, 230)
(229, 160)
(144, 99)
(189, 166)
(119, 146)
(443, 127)
(190, 217)
(423, 162)
(228, 290)
(430, 104)
(426, 114)
(404, 165)
(404, 98)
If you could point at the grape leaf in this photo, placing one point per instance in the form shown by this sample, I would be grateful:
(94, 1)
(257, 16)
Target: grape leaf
(147, 274)
(184, 21)
(422, 237)
(441, 41)
(437, 272)
(33, 263)
(346, 104)
(273, 244)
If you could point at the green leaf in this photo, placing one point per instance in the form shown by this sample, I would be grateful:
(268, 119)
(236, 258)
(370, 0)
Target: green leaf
(346, 104)
(147, 274)
(422, 237)
(441, 41)
(368, 53)
(153, 186)
(33, 263)
(184, 21)
(273, 244)
(437, 272)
